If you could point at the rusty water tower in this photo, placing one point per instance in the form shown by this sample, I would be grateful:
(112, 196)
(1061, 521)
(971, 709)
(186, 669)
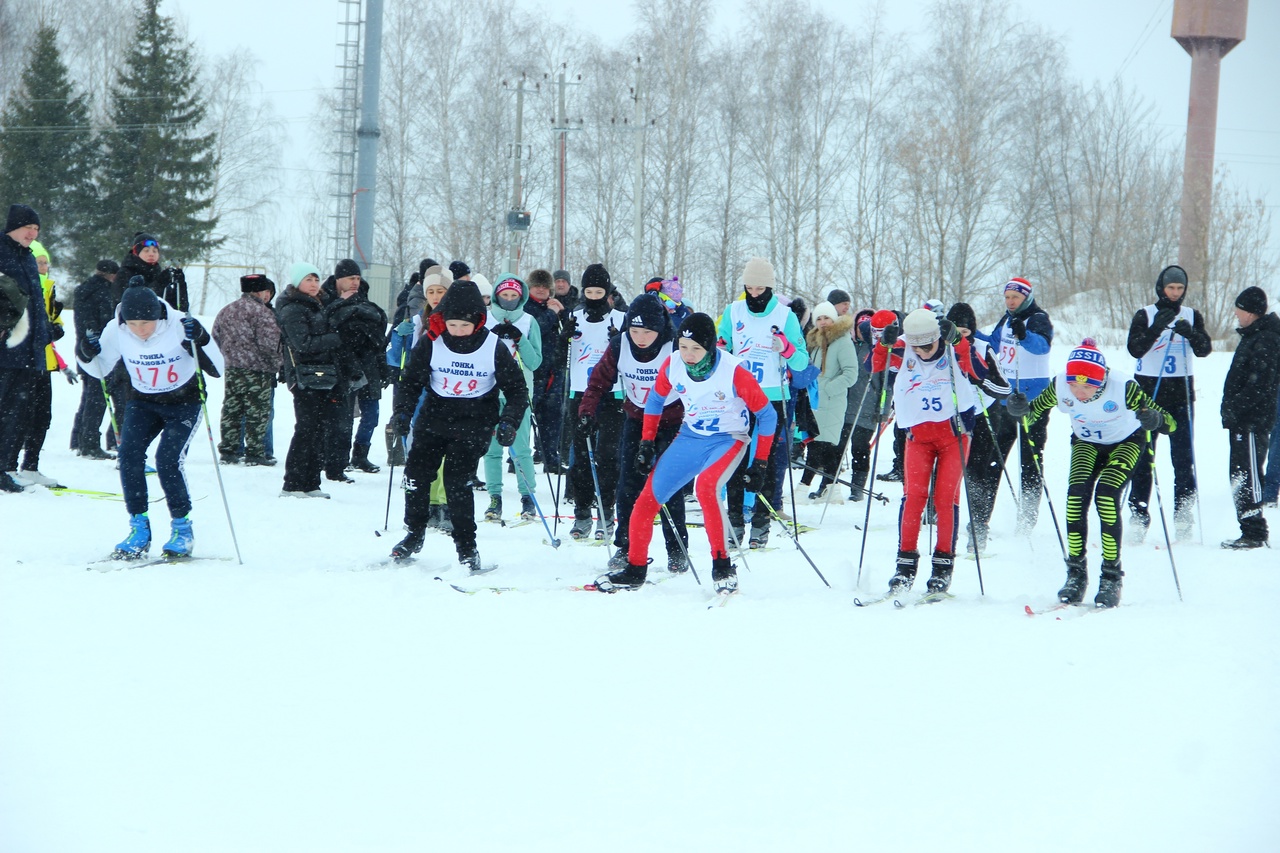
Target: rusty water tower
(1208, 30)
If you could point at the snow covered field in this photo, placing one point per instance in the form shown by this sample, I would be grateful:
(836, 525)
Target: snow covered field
(311, 701)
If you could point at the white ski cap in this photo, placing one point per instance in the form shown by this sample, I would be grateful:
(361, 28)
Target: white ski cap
(920, 328)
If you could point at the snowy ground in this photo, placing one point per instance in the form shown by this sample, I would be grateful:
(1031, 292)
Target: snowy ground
(302, 702)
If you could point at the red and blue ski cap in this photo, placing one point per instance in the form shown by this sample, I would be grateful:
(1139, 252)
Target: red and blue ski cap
(1020, 285)
(1086, 366)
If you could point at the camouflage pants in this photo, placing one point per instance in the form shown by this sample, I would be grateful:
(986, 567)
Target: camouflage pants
(247, 395)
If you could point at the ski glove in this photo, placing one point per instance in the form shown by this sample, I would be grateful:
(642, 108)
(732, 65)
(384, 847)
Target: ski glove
(405, 328)
(89, 345)
(1163, 318)
(1019, 328)
(646, 454)
(72, 378)
(948, 332)
(782, 346)
(757, 475)
(889, 336)
(586, 424)
(508, 331)
(395, 445)
(400, 424)
(194, 331)
(505, 433)
(1153, 421)
(1184, 328)
(1018, 405)
(570, 327)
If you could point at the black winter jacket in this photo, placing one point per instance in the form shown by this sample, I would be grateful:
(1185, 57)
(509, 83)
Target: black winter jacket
(549, 325)
(95, 306)
(308, 339)
(1253, 381)
(23, 346)
(362, 326)
(159, 279)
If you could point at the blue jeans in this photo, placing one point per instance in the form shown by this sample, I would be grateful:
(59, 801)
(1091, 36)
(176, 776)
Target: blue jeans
(175, 424)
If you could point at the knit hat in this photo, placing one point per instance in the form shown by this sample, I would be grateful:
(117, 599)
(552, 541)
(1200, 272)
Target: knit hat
(1086, 364)
(426, 264)
(646, 312)
(962, 315)
(459, 269)
(863, 314)
(346, 267)
(462, 302)
(482, 284)
(256, 283)
(836, 296)
(20, 216)
(141, 239)
(824, 309)
(108, 266)
(508, 285)
(435, 279)
(934, 305)
(920, 328)
(1172, 274)
(596, 276)
(1021, 285)
(37, 248)
(700, 329)
(1252, 299)
(139, 302)
(561, 275)
(300, 270)
(883, 318)
(673, 289)
(758, 273)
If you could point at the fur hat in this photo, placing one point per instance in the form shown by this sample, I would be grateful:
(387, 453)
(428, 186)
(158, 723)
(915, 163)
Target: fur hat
(700, 329)
(1252, 299)
(255, 283)
(920, 328)
(1086, 364)
(539, 278)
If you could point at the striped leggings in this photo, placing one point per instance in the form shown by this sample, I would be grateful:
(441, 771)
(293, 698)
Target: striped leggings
(1098, 471)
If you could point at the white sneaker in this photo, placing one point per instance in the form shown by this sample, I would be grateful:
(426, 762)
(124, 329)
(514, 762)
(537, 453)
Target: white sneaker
(35, 478)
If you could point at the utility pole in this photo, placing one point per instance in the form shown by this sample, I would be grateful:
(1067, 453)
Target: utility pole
(1208, 30)
(638, 192)
(560, 126)
(368, 133)
(517, 217)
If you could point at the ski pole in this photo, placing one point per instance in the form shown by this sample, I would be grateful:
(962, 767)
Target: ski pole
(866, 490)
(853, 425)
(111, 409)
(684, 549)
(1044, 485)
(964, 479)
(787, 418)
(1191, 418)
(875, 457)
(760, 497)
(554, 542)
(1155, 481)
(595, 478)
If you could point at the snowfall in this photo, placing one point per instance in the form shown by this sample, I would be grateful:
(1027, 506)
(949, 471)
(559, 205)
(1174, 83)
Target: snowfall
(315, 698)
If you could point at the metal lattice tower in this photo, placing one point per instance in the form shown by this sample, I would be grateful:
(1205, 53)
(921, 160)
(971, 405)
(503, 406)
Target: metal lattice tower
(347, 114)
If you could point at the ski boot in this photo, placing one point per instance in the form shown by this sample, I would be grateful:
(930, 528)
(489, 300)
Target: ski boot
(1072, 591)
(943, 565)
(677, 562)
(1109, 585)
(1139, 521)
(409, 545)
(581, 524)
(632, 577)
(618, 561)
(339, 476)
(494, 512)
(138, 542)
(604, 525)
(433, 517)
(259, 461)
(1244, 543)
(739, 536)
(724, 575)
(893, 475)
(908, 562)
(444, 523)
(528, 512)
(977, 537)
(181, 539)
(859, 489)
(759, 535)
(9, 484)
(360, 460)
(818, 494)
(470, 560)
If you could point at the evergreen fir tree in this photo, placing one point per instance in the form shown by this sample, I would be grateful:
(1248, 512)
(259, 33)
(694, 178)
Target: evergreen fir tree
(158, 167)
(48, 153)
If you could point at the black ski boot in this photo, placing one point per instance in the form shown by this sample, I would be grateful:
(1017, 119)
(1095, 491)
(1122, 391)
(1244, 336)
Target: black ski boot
(724, 575)
(908, 562)
(859, 489)
(618, 561)
(470, 560)
(676, 562)
(1139, 521)
(582, 523)
(759, 535)
(632, 577)
(943, 565)
(411, 544)
(1072, 591)
(1109, 585)
(360, 459)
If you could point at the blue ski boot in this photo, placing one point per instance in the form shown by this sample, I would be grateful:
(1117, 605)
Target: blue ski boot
(138, 542)
(181, 539)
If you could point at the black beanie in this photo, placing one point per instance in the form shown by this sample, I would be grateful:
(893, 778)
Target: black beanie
(459, 269)
(701, 329)
(426, 264)
(346, 267)
(139, 302)
(140, 239)
(256, 282)
(20, 216)
(837, 296)
(1252, 299)
(596, 276)
(1173, 274)
(962, 315)
(108, 266)
(647, 312)
(462, 302)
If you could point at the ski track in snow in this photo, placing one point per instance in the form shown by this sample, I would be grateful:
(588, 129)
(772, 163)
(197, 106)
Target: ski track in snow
(304, 701)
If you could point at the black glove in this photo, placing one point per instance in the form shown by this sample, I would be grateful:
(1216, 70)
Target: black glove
(992, 367)
(56, 331)
(395, 445)
(948, 332)
(889, 336)
(1183, 327)
(570, 326)
(508, 331)
(1150, 419)
(89, 344)
(1018, 405)
(506, 433)
(1163, 318)
(586, 424)
(400, 424)
(646, 454)
(56, 311)
(754, 479)
(1019, 328)
(194, 331)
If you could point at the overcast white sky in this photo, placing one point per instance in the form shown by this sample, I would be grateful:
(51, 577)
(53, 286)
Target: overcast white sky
(296, 39)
